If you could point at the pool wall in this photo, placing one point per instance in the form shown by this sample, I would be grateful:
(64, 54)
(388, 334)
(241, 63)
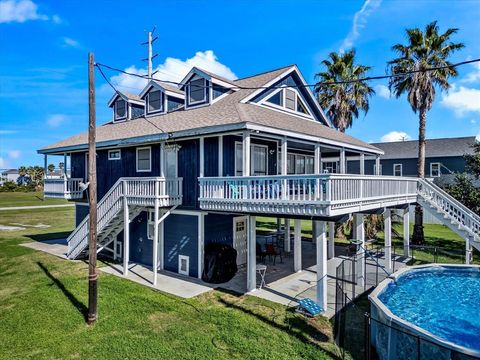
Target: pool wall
(395, 338)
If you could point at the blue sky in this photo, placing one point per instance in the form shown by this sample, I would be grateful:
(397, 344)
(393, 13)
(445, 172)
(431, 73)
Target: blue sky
(44, 45)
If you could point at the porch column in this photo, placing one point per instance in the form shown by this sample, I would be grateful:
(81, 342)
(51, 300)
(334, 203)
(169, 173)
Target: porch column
(201, 243)
(297, 246)
(126, 234)
(252, 256)
(317, 169)
(162, 159)
(359, 234)
(45, 165)
(220, 155)
(377, 165)
(287, 236)
(406, 231)
(64, 165)
(284, 156)
(362, 164)
(246, 153)
(155, 234)
(202, 157)
(388, 239)
(331, 240)
(321, 247)
(161, 245)
(343, 161)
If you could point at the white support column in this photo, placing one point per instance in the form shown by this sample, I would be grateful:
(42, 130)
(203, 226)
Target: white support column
(252, 254)
(64, 165)
(468, 250)
(287, 236)
(246, 153)
(162, 160)
(155, 233)
(321, 253)
(406, 231)
(284, 155)
(126, 234)
(201, 242)
(161, 245)
(202, 157)
(297, 246)
(331, 240)
(318, 160)
(362, 164)
(343, 162)
(377, 165)
(359, 231)
(220, 155)
(388, 239)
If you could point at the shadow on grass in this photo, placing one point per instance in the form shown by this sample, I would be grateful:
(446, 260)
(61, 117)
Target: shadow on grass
(73, 300)
(49, 236)
(296, 326)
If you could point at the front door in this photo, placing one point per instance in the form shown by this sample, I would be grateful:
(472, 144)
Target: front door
(240, 238)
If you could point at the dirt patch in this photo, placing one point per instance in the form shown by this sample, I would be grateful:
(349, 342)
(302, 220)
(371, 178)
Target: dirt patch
(11, 228)
(37, 226)
(160, 321)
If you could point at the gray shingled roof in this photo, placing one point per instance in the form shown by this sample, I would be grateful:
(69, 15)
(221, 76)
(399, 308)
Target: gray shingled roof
(433, 148)
(226, 111)
(168, 87)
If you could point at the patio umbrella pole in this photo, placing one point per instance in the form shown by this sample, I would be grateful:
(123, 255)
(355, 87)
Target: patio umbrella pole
(92, 179)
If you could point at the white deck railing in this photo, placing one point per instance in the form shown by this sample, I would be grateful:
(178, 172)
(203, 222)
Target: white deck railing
(326, 194)
(142, 191)
(62, 188)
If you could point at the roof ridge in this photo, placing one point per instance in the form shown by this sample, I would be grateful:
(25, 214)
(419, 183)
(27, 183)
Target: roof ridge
(265, 72)
(416, 140)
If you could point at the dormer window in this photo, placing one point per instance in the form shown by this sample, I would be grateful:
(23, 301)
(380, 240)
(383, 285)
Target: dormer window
(120, 109)
(197, 91)
(288, 99)
(154, 101)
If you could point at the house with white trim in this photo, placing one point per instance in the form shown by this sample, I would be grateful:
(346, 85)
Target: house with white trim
(183, 167)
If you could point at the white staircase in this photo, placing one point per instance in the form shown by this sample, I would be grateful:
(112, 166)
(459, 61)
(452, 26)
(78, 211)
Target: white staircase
(138, 193)
(450, 212)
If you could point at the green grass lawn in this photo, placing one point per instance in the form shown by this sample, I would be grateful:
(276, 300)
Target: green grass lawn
(43, 303)
(10, 199)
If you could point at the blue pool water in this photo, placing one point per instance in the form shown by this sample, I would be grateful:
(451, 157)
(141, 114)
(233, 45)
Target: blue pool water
(442, 300)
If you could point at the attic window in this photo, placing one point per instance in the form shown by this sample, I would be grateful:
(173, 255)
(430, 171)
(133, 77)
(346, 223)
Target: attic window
(155, 103)
(276, 99)
(197, 91)
(288, 99)
(120, 109)
(301, 108)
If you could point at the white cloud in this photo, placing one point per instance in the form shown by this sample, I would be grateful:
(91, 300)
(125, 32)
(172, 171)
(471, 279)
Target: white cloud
(462, 100)
(57, 19)
(359, 22)
(174, 69)
(473, 76)
(14, 154)
(70, 42)
(478, 137)
(19, 11)
(56, 120)
(395, 136)
(383, 91)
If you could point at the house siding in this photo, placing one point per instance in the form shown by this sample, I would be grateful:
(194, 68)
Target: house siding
(81, 212)
(219, 229)
(189, 170)
(181, 238)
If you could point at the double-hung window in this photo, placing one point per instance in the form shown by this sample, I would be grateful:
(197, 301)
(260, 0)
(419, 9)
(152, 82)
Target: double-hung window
(397, 169)
(435, 170)
(197, 91)
(120, 109)
(144, 159)
(259, 160)
(155, 103)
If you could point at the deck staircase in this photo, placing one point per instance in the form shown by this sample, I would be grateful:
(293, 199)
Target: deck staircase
(138, 193)
(450, 212)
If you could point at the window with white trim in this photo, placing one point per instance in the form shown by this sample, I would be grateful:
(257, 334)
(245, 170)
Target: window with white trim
(183, 265)
(154, 101)
(151, 224)
(120, 109)
(435, 170)
(330, 167)
(144, 159)
(114, 154)
(259, 160)
(197, 91)
(397, 169)
(288, 99)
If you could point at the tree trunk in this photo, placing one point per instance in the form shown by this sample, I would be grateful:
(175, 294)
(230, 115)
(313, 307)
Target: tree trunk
(418, 237)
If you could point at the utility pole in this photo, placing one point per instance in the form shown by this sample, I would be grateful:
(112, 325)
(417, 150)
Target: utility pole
(150, 52)
(92, 179)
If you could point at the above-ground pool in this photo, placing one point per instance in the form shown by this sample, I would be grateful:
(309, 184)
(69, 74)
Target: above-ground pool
(431, 312)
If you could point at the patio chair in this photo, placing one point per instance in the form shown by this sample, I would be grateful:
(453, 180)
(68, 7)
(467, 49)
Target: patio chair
(234, 190)
(308, 307)
(272, 250)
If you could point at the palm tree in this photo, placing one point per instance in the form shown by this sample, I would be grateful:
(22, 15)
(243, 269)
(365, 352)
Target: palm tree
(424, 50)
(343, 102)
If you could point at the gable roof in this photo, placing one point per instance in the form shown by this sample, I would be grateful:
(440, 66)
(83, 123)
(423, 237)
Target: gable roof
(163, 86)
(125, 96)
(444, 147)
(207, 74)
(228, 113)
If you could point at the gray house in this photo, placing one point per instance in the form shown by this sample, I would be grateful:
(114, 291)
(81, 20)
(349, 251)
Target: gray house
(8, 175)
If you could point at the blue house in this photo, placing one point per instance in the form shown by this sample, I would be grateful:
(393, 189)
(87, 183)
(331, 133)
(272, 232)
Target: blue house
(182, 167)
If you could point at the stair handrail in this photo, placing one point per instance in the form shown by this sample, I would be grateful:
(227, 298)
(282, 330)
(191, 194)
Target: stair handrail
(468, 212)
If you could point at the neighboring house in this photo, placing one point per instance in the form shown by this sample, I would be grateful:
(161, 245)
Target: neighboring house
(442, 157)
(204, 159)
(9, 175)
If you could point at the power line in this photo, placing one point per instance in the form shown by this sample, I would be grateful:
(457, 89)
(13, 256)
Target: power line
(368, 78)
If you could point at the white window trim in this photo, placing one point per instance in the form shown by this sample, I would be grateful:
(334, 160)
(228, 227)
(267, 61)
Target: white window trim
(150, 158)
(401, 169)
(172, 149)
(187, 271)
(115, 150)
(251, 153)
(118, 118)
(264, 102)
(439, 169)
(204, 92)
(162, 109)
(150, 215)
(266, 158)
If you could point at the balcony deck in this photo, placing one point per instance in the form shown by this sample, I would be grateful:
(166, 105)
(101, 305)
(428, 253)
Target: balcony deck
(323, 195)
(62, 188)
